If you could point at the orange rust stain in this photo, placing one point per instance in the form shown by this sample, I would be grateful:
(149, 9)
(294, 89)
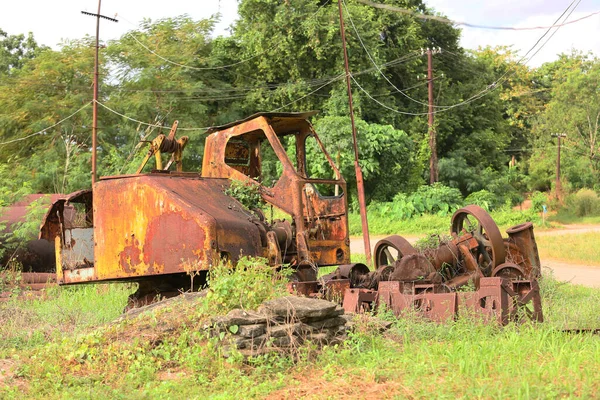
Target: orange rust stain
(130, 257)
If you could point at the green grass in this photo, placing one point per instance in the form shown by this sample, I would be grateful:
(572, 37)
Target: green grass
(31, 322)
(581, 248)
(167, 354)
(568, 217)
(433, 224)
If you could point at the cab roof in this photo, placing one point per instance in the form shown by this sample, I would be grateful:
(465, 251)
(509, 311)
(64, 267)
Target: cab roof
(279, 121)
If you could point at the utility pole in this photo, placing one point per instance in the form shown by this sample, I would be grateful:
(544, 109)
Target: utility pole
(433, 161)
(359, 177)
(558, 184)
(95, 101)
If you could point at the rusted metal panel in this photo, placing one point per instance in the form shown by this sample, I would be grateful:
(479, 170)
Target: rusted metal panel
(37, 255)
(157, 224)
(78, 249)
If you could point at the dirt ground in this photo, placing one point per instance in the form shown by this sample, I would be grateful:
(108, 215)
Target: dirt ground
(582, 274)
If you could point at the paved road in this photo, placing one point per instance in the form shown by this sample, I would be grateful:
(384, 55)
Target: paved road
(587, 275)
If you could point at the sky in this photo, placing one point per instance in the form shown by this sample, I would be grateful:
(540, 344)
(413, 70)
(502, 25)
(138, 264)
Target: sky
(53, 21)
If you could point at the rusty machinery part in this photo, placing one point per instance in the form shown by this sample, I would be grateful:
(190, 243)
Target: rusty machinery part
(413, 268)
(497, 299)
(166, 144)
(476, 221)
(305, 271)
(510, 271)
(355, 273)
(392, 249)
(522, 249)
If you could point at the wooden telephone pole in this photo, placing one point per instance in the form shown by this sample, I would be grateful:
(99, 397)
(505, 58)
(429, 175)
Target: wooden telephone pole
(558, 184)
(433, 159)
(359, 177)
(95, 102)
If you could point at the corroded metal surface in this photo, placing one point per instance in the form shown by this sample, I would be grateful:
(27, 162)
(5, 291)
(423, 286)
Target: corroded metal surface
(497, 300)
(320, 222)
(156, 224)
(435, 281)
(37, 255)
(391, 249)
(165, 223)
(522, 249)
(485, 231)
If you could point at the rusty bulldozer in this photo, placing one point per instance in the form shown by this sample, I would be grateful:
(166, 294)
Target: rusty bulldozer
(154, 228)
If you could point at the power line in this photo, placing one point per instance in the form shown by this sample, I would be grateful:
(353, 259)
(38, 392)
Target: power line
(217, 67)
(196, 68)
(45, 129)
(308, 94)
(449, 21)
(382, 104)
(494, 84)
(145, 123)
(373, 61)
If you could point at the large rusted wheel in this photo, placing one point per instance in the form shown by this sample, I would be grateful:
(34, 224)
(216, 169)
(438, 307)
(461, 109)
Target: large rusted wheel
(476, 221)
(392, 249)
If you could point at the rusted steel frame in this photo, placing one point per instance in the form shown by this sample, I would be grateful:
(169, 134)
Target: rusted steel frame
(521, 293)
(289, 187)
(495, 299)
(359, 300)
(359, 176)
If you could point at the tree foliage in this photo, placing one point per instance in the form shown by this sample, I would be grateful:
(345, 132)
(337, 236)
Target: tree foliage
(287, 56)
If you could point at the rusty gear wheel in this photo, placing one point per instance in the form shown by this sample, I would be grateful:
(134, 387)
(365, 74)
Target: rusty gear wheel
(391, 249)
(476, 221)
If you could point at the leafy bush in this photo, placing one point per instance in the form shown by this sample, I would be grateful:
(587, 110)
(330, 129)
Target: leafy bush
(483, 198)
(245, 193)
(538, 200)
(245, 285)
(586, 202)
(436, 199)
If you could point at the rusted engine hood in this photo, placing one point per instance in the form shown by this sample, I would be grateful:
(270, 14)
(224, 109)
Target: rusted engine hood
(161, 224)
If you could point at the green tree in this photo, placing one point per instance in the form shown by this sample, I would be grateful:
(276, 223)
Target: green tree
(15, 50)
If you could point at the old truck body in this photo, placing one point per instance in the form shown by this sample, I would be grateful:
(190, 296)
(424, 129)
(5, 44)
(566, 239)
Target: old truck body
(157, 226)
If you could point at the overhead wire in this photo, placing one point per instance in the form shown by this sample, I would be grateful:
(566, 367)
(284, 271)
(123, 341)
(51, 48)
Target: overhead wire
(470, 25)
(373, 61)
(216, 67)
(145, 123)
(339, 77)
(494, 84)
(47, 128)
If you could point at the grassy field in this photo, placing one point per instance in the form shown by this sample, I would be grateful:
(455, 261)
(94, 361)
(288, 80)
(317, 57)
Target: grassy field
(63, 348)
(436, 224)
(581, 248)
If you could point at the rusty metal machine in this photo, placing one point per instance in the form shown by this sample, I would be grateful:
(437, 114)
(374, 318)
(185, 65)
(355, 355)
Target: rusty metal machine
(474, 270)
(154, 228)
